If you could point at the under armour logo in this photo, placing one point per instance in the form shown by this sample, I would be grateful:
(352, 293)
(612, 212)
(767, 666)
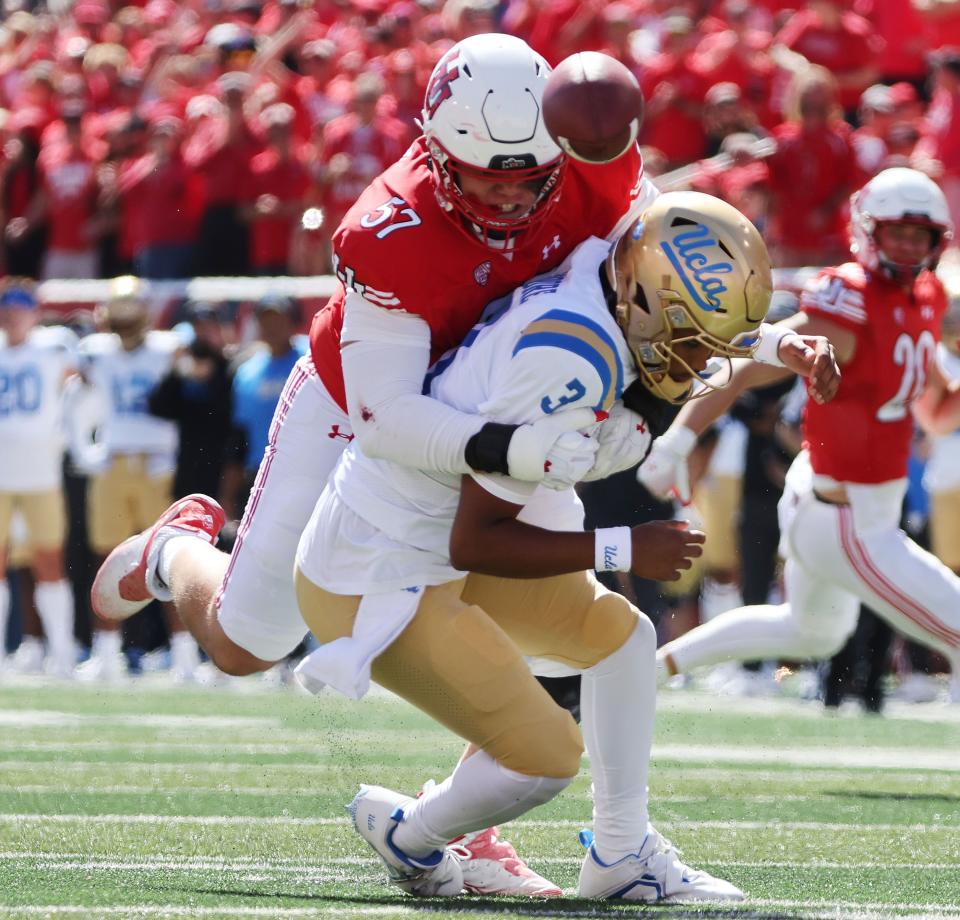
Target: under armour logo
(926, 311)
(335, 432)
(555, 244)
(642, 427)
(898, 315)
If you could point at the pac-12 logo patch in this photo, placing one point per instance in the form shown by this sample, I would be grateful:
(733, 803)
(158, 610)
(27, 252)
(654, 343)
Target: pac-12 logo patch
(481, 274)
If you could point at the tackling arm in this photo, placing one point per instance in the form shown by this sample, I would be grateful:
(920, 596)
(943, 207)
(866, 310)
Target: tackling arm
(384, 364)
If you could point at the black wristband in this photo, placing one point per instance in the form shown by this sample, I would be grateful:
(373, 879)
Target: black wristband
(486, 451)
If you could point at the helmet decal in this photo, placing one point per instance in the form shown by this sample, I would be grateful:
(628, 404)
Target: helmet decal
(694, 266)
(439, 88)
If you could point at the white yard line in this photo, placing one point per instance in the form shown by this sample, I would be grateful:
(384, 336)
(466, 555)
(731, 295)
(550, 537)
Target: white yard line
(281, 820)
(64, 788)
(54, 718)
(80, 861)
(180, 767)
(867, 758)
(844, 910)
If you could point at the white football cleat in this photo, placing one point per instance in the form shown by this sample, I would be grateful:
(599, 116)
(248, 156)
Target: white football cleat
(108, 667)
(917, 688)
(376, 812)
(491, 866)
(28, 658)
(120, 589)
(656, 874)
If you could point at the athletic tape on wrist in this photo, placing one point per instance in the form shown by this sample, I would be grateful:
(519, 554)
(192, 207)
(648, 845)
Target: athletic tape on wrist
(613, 549)
(768, 348)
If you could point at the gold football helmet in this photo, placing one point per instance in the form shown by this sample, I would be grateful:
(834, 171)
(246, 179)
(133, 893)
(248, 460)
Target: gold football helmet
(125, 310)
(692, 268)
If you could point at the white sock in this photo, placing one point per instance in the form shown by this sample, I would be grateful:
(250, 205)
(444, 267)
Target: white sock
(184, 654)
(479, 793)
(4, 613)
(760, 631)
(54, 600)
(164, 550)
(618, 701)
(106, 644)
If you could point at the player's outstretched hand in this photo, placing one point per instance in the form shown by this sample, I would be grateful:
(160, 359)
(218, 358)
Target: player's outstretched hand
(664, 473)
(664, 549)
(812, 357)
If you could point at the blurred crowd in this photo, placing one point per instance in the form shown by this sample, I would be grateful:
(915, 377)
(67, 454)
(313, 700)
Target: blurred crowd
(228, 137)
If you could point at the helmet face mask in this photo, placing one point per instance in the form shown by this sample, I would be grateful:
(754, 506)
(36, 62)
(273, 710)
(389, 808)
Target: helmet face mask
(691, 271)
(482, 118)
(898, 196)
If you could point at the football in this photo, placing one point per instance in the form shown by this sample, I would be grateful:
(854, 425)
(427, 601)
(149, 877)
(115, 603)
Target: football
(592, 107)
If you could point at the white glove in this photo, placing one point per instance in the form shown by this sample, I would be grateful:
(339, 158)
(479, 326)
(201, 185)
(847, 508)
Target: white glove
(90, 459)
(664, 473)
(531, 445)
(624, 441)
(570, 459)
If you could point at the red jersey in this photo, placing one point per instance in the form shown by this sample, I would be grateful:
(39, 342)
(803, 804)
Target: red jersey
(863, 435)
(852, 46)
(808, 170)
(288, 180)
(371, 148)
(68, 178)
(398, 248)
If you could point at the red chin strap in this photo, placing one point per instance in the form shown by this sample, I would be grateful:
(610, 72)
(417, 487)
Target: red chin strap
(491, 224)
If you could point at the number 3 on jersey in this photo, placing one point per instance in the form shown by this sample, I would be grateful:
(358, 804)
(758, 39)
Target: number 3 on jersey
(913, 357)
(575, 390)
(385, 214)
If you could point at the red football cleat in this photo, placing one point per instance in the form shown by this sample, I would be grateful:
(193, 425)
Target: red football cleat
(120, 587)
(491, 866)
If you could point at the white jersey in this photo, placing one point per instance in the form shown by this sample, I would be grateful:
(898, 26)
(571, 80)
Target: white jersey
(123, 381)
(31, 408)
(552, 345)
(943, 468)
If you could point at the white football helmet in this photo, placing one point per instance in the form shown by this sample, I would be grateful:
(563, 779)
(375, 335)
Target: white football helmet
(482, 116)
(898, 195)
(692, 268)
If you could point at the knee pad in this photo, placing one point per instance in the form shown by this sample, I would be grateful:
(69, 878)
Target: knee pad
(551, 747)
(611, 620)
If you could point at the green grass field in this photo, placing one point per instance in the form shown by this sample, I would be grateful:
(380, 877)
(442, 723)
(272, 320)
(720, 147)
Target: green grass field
(153, 802)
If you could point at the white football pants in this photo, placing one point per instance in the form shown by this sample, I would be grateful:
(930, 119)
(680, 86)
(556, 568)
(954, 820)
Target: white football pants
(835, 563)
(256, 603)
